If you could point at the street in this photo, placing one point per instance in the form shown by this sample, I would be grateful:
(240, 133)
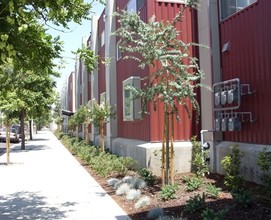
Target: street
(3, 147)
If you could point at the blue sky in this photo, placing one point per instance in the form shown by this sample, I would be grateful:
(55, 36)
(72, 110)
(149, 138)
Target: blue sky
(72, 40)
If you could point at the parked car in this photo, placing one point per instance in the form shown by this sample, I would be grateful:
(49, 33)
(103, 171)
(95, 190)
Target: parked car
(18, 129)
(14, 136)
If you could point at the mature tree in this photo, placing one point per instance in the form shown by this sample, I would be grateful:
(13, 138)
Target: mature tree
(175, 76)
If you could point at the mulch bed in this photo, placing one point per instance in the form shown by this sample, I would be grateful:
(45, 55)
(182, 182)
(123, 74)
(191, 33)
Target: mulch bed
(258, 210)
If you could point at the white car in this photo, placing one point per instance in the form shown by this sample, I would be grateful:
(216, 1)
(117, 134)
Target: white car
(14, 136)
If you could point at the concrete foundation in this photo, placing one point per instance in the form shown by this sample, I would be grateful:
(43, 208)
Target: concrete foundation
(249, 168)
(148, 154)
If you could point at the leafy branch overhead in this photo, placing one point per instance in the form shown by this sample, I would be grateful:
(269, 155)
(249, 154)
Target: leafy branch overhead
(176, 74)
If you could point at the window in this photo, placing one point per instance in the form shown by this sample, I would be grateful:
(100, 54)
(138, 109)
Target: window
(229, 7)
(102, 97)
(101, 40)
(119, 53)
(131, 106)
(134, 5)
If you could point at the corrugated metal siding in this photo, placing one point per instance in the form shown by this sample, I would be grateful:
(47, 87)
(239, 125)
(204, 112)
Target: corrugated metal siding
(249, 34)
(150, 129)
(140, 129)
(166, 12)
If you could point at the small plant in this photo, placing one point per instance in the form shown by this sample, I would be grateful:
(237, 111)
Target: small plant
(264, 162)
(169, 192)
(134, 182)
(231, 164)
(123, 189)
(210, 214)
(142, 202)
(133, 194)
(199, 165)
(155, 213)
(185, 179)
(242, 198)
(195, 203)
(193, 184)
(112, 181)
(148, 176)
(212, 191)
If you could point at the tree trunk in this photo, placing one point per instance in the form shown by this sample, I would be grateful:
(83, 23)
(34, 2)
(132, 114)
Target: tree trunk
(86, 133)
(172, 167)
(163, 152)
(30, 130)
(102, 135)
(8, 143)
(22, 130)
(167, 145)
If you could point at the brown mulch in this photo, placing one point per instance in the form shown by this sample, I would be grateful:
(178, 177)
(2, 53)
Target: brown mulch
(259, 210)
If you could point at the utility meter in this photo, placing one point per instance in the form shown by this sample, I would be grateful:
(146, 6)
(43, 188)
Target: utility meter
(234, 124)
(218, 124)
(224, 97)
(233, 96)
(217, 98)
(224, 124)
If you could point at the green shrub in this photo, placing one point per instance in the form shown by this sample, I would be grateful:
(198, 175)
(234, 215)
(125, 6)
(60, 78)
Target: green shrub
(264, 162)
(148, 176)
(210, 214)
(169, 192)
(195, 203)
(231, 164)
(193, 184)
(199, 165)
(212, 191)
(242, 198)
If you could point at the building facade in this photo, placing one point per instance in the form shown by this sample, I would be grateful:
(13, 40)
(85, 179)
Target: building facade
(236, 66)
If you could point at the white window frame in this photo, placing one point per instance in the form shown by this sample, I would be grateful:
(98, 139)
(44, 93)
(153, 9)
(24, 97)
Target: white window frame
(227, 10)
(131, 106)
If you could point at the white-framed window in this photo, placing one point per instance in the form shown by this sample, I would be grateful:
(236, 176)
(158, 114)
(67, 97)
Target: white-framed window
(102, 97)
(229, 7)
(134, 5)
(118, 51)
(131, 105)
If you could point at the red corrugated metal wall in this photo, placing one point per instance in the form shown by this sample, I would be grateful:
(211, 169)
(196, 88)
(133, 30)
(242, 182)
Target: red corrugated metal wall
(249, 34)
(150, 128)
(140, 129)
(166, 12)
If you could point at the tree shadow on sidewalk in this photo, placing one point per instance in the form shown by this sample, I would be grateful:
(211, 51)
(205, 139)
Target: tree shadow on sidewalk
(30, 205)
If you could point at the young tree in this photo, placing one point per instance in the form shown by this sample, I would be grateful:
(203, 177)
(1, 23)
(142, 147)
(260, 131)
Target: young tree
(175, 76)
(100, 116)
(83, 116)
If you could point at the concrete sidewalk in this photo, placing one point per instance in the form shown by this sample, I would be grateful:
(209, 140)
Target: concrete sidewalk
(46, 182)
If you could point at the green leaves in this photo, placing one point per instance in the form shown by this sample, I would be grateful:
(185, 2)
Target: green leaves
(89, 58)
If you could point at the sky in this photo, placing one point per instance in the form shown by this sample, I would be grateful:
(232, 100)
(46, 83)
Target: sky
(72, 40)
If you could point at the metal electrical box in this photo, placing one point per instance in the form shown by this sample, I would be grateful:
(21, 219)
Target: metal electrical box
(217, 98)
(224, 124)
(224, 97)
(218, 124)
(234, 124)
(233, 96)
